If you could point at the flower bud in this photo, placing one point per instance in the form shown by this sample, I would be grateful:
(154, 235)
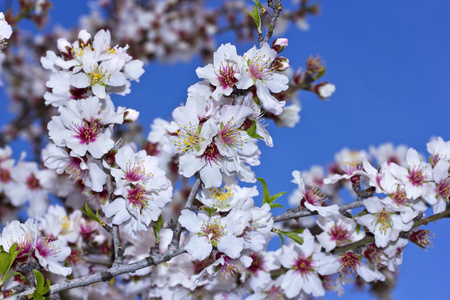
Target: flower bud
(130, 115)
(65, 48)
(279, 44)
(280, 64)
(84, 38)
(324, 89)
(421, 238)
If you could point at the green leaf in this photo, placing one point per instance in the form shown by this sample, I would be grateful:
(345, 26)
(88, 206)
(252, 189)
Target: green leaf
(276, 196)
(39, 280)
(266, 195)
(258, 4)
(320, 73)
(5, 262)
(88, 212)
(252, 129)
(293, 235)
(282, 239)
(46, 287)
(358, 228)
(37, 296)
(10, 275)
(209, 210)
(275, 205)
(157, 228)
(256, 17)
(159, 223)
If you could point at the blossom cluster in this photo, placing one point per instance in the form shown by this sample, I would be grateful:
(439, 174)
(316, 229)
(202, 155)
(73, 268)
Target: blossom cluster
(208, 240)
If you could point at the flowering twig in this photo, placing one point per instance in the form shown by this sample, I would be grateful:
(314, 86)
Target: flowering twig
(106, 275)
(305, 213)
(177, 230)
(276, 8)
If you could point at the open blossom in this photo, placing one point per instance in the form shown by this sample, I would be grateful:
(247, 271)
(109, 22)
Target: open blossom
(143, 190)
(383, 222)
(310, 198)
(257, 69)
(305, 263)
(211, 141)
(220, 232)
(5, 28)
(338, 232)
(84, 127)
(222, 73)
(89, 67)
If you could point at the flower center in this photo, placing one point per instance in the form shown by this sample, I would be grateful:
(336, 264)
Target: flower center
(88, 132)
(134, 172)
(98, 76)
(33, 182)
(137, 197)
(257, 263)
(188, 138)
(5, 175)
(349, 261)
(339, 234)
(222, 194)
(212, 154)
(384, 219)
(399, 197)
(416, 177)
(261, 67)
(213, 230)
(304, 266)
(226, 76)
(421, 238)
(45, 247)
(443, 188)
(231, 137)
(313, 196)
(350, 167)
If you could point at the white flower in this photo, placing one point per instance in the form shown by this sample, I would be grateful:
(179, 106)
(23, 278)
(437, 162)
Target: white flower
(221, 74)
(383, 222)
(305, 262)
(5, 28)
(257, 69)
(212, 231)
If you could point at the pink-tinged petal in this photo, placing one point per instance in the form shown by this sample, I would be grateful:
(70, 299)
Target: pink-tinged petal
(99, 91)
(80, 80)
(189, 220)
(101, 146)
(207, 72)
(198, 247)
(98, 177)
(211, 176)
(190, 164)
(291, 284)
(231, 245)
(278, 83)
(117, 79)
(134, 69)
(114, 207)
(369, 275)
(316, 286)
(269, 102)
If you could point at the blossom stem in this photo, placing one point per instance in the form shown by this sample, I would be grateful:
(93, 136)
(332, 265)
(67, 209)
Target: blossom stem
(305, 213)
(107, 274)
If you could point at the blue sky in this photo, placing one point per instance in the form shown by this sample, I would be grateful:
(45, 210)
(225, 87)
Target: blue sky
(390, 63)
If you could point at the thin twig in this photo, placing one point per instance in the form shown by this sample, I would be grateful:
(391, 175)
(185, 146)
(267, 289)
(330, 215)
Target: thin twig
(305, 213)
(177, 230)
(106, 275)
(276, 8)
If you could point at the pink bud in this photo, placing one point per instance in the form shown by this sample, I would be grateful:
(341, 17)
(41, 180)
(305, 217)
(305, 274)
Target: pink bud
(279, 44)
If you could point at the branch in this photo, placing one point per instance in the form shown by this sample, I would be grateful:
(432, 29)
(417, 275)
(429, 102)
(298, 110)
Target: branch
(370, 239)
(177, 230)
(305, 213)
(106, 275)
(276, 7)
